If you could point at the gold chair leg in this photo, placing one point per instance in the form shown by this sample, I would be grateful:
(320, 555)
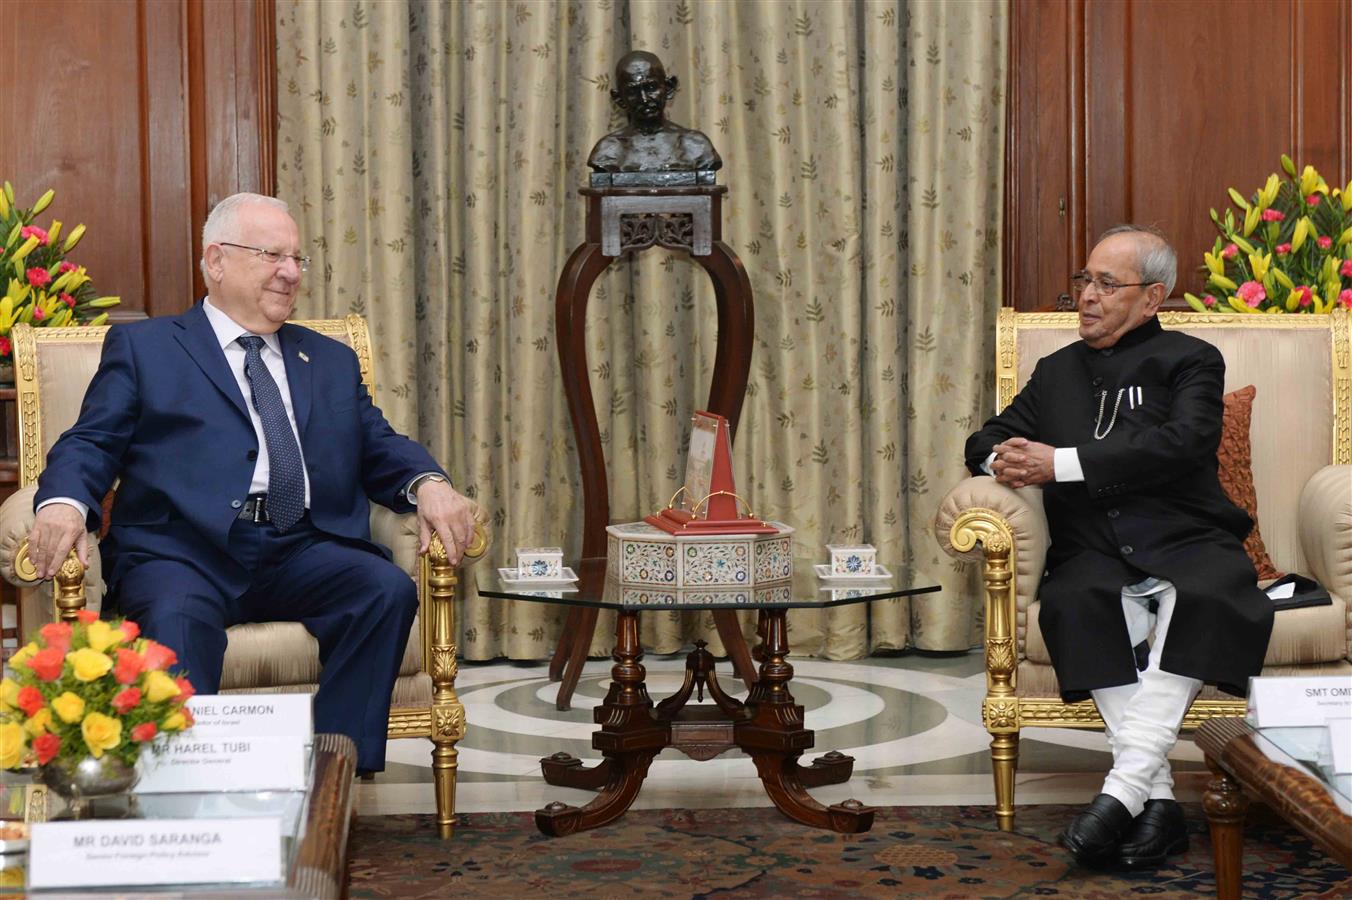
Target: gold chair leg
(448, 713)
(1004, 763)
(444, 770)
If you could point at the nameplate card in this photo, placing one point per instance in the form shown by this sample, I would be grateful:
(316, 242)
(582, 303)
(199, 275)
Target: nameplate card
(116, 852)
(1340, 733)
(255, 715)
(1303, 701)
(194, 763)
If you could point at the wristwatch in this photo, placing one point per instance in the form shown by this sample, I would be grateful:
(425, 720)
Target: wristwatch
(412, 492)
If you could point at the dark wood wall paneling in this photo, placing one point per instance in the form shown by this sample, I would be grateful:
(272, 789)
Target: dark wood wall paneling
(1146, 111)
(141, 114)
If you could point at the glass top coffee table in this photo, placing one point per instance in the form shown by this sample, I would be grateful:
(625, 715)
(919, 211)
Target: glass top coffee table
(1289, 770)
(314, 826)
(768, 726)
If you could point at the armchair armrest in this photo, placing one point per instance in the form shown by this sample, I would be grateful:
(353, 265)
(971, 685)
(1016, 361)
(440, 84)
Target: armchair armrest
(74, 587)
(977, 509)
(16, 521)
(399, 532)
(1325, 520)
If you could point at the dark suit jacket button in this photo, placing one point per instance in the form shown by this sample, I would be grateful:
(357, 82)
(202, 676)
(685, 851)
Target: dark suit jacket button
(1114, 513)
(236, 504)
(252, 455)
(1098, 381)
(1127, 550)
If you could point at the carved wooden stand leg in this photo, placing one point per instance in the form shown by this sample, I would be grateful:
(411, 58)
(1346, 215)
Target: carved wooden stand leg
(1225, 805)
(774, 736)
(448, 713)
(629, 738)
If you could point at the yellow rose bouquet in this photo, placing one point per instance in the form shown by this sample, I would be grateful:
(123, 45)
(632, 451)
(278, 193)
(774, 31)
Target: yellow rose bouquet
(41, 286)
(88, 689)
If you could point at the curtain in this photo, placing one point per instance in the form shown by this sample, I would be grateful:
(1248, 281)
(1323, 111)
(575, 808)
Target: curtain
(432, 154)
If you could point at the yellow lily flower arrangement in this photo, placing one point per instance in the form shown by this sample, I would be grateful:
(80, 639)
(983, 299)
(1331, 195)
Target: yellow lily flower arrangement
(40, 286)
(1286, 248)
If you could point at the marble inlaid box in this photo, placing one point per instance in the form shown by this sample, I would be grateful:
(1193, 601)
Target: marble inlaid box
(640, 554)
(772, 594)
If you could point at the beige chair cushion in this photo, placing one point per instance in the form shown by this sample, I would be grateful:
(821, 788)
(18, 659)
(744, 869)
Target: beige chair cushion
(263, 655)
(1300, 637)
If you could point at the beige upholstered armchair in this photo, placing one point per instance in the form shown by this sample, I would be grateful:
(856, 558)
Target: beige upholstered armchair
(1301, 438)
(53, 367)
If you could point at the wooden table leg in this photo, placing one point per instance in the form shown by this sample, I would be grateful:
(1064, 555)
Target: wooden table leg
(1225, 805)
(629, 738)
(577, 657)
(774, 737)
(730, 633)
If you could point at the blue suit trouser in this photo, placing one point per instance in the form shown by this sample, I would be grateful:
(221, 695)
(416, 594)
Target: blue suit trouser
(359, 607)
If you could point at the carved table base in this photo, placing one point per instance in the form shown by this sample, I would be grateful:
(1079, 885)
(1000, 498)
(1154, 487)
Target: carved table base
(768, 727)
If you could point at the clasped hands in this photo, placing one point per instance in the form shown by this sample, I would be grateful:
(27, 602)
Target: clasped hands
(442, 510)
(1020, 462)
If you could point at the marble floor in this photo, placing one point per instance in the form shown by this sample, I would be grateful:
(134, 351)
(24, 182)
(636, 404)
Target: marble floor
(912, 722)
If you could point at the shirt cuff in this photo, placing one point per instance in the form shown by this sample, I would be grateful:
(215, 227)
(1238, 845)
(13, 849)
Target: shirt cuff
(69, 501)
(1066, 464)
(411, 492)
(986, 465)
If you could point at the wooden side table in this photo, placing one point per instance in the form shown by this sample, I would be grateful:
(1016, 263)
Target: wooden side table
(621, 220)
(1243, 760)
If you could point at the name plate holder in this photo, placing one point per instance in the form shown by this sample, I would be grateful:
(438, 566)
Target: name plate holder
(253, 715)
(140, 852)
(197, 763)
(1300, 702)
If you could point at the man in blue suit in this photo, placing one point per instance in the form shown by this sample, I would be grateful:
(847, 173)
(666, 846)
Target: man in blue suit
(248, 451)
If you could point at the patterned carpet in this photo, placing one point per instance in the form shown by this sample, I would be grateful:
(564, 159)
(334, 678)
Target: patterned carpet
(948, 852)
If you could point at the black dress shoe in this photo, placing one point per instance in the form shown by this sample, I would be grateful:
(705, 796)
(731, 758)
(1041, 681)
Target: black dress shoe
(1158, 832)
(1096, 833)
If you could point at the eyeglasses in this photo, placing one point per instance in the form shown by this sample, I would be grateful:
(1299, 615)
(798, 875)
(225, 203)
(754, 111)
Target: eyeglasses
(1081, 281)
(272, 257)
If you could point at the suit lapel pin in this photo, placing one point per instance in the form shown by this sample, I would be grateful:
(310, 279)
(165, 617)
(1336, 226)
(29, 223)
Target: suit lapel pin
(303, 357)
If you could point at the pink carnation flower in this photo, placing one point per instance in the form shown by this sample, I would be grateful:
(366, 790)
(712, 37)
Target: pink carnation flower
(67, 299)
(1252, 293)
(1345, 298)
(1282, 249)
(1313, 199)
(1229, 252)
(1208, 300)
(1324, 242)
(1273, 215)
(38, 277)
(1347, 268)
(1306, 295)
(5, 346)
(67, 267)
(29, 231)
(38, 314)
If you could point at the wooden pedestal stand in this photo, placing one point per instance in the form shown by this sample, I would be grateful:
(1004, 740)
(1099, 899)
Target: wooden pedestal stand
(620, 220)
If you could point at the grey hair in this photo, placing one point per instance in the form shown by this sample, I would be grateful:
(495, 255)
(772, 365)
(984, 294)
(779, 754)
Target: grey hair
(1156, 257)
(222, 222)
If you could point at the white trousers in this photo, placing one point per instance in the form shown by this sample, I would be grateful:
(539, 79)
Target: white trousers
(1142, 719)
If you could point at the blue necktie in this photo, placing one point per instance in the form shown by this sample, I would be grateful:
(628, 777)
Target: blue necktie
(286, 481)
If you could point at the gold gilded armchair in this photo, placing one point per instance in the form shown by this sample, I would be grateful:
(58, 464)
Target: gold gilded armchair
(53, 367)
(1301, 438)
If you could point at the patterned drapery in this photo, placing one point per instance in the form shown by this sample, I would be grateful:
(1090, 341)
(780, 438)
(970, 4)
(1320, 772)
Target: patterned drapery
(431, 152)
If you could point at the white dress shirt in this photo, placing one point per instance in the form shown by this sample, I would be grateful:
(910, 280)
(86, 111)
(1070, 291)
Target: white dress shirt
(228, 331)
